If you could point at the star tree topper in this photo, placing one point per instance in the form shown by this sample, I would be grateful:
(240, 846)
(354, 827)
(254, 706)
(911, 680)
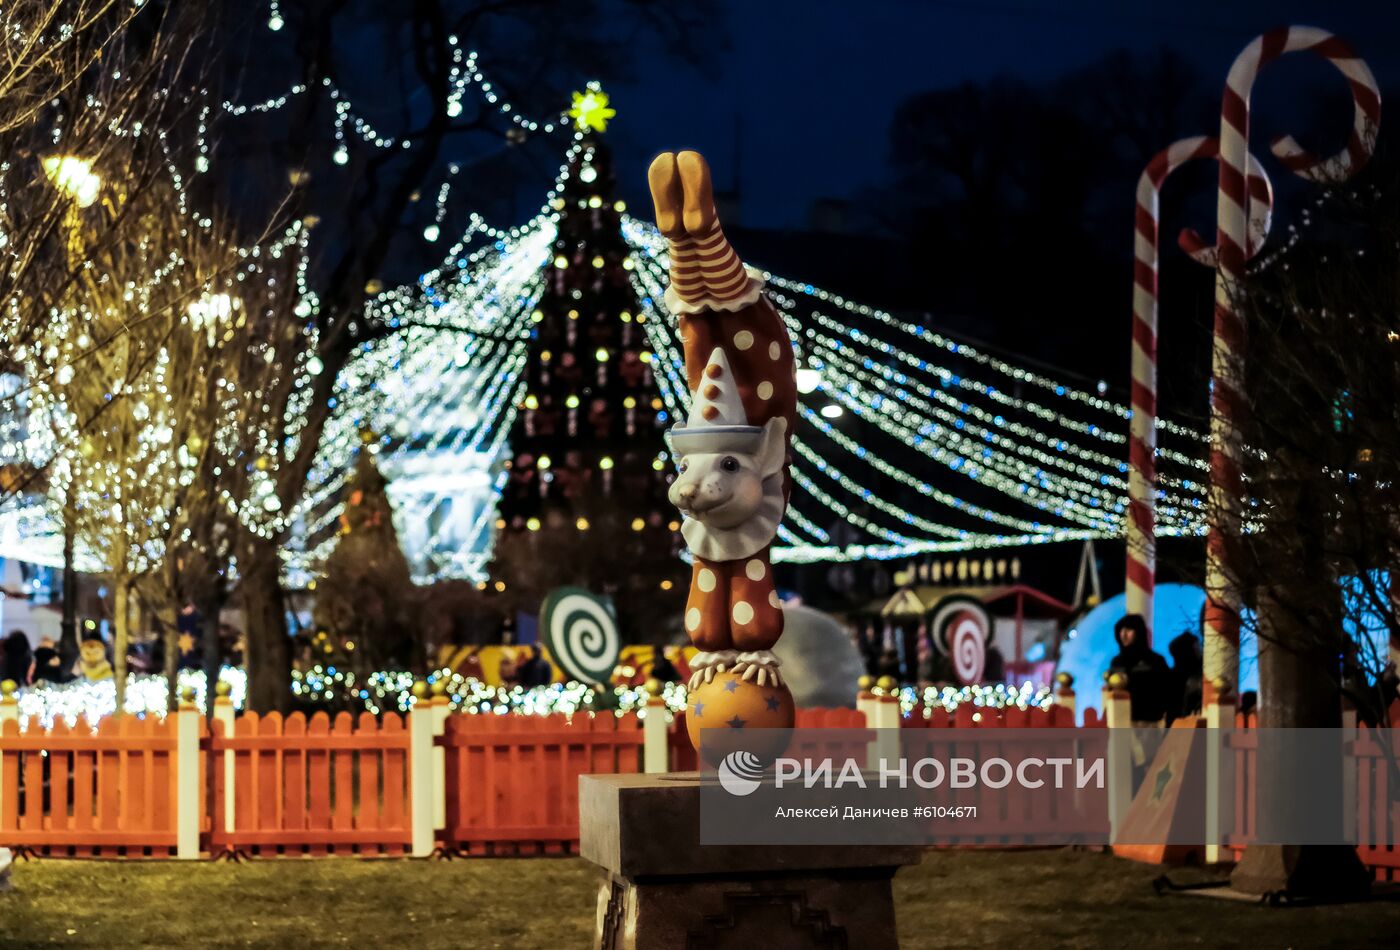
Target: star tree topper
(591, 110)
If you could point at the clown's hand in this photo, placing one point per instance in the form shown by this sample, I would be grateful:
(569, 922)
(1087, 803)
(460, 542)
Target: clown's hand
(705, 665)
(760, 667)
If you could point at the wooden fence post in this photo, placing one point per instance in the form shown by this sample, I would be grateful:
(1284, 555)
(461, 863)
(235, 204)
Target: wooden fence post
(223, 712)
(420, 771)
(442, 708)
(656, 752)
(1118, 717)
(1220, 772)
(9, 712)
(1064, 693)
(866, 704)
(883, 716)
(187, 811)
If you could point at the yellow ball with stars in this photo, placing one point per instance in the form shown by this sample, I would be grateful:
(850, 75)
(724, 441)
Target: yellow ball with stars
(736, 705)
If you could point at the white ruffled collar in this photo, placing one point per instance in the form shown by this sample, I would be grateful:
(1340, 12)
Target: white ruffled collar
(733, 544)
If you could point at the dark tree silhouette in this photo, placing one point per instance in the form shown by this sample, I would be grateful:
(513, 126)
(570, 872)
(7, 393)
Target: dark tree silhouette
(1015, 199)
(366, 603)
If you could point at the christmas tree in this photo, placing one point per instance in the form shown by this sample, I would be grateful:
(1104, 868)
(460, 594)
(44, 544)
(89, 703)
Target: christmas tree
(366, 617)
(585, 503)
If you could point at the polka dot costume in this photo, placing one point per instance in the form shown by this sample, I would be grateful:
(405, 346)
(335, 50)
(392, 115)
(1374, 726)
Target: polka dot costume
(741, 374)
(733, 605)
(759, 354)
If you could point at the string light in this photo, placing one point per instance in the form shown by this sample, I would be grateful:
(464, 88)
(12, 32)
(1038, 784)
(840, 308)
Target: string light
(443, 392)
(392, 691)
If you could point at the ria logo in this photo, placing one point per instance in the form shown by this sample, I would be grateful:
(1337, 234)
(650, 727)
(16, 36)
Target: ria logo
(740, 773)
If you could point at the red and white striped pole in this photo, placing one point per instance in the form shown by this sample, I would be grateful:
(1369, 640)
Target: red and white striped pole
(1142, 439)
(1228, 407)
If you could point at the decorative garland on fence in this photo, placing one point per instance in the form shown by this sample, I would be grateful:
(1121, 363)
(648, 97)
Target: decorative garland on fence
(392, 691)
(145, 695)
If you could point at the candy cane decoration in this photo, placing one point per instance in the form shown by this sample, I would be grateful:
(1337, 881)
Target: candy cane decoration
(1142, 441)
(1228, 408)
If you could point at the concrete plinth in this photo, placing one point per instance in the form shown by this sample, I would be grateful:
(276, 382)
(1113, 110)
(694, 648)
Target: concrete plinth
(660, 888)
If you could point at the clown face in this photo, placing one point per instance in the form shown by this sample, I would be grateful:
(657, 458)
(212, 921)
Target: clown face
(723, 486)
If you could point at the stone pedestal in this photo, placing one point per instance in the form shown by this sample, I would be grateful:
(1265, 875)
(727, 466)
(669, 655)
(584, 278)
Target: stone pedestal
(660, 888)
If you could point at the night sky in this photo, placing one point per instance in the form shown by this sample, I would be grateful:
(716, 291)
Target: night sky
(813, 84)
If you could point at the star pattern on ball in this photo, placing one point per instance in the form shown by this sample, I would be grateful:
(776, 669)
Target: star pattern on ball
(737, 723)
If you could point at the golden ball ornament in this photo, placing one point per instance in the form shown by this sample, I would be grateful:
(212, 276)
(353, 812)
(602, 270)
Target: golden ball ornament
(887, 683)
(736, 706)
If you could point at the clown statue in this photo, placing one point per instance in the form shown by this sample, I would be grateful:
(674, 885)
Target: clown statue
(733, 452)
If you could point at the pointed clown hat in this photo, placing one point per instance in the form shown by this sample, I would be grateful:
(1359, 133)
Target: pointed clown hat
(717, 420)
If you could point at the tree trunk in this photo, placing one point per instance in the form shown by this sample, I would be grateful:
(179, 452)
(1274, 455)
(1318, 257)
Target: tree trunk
(68, 626)
(121, 624)
(209, 609)
(269, 654)
(1298, 691)
(1299, 759)
(170, 635)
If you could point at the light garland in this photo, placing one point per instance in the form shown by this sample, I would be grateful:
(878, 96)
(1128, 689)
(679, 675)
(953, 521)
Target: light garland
(392, 691)
(440, 395)
(437, 380)
(146, 695)
(915, 701)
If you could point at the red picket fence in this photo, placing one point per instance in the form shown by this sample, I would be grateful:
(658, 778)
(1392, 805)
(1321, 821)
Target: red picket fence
(811, 745)
(1244, 743)
(512, 781)
(342, 786)
(683, 757)
(312, 787)
(1377, 818)
(109, 793)
(1024, 818)
(986, 717)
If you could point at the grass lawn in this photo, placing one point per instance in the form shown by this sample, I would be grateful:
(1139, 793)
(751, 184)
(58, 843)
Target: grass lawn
(955, 899)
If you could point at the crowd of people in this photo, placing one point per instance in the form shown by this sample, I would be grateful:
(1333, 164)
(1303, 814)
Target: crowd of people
(26, 665)
(1159, 693)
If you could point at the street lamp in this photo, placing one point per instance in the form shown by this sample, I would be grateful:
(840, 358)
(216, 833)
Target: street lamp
(808, 379)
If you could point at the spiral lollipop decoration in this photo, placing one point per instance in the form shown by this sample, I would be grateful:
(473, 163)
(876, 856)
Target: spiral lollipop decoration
(1228, 408)
(967, 643)
(581, 634)
(1142, 441)
(961, 627)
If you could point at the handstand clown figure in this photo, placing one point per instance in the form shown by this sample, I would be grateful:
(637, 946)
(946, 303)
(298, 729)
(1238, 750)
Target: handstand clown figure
(733, 451)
